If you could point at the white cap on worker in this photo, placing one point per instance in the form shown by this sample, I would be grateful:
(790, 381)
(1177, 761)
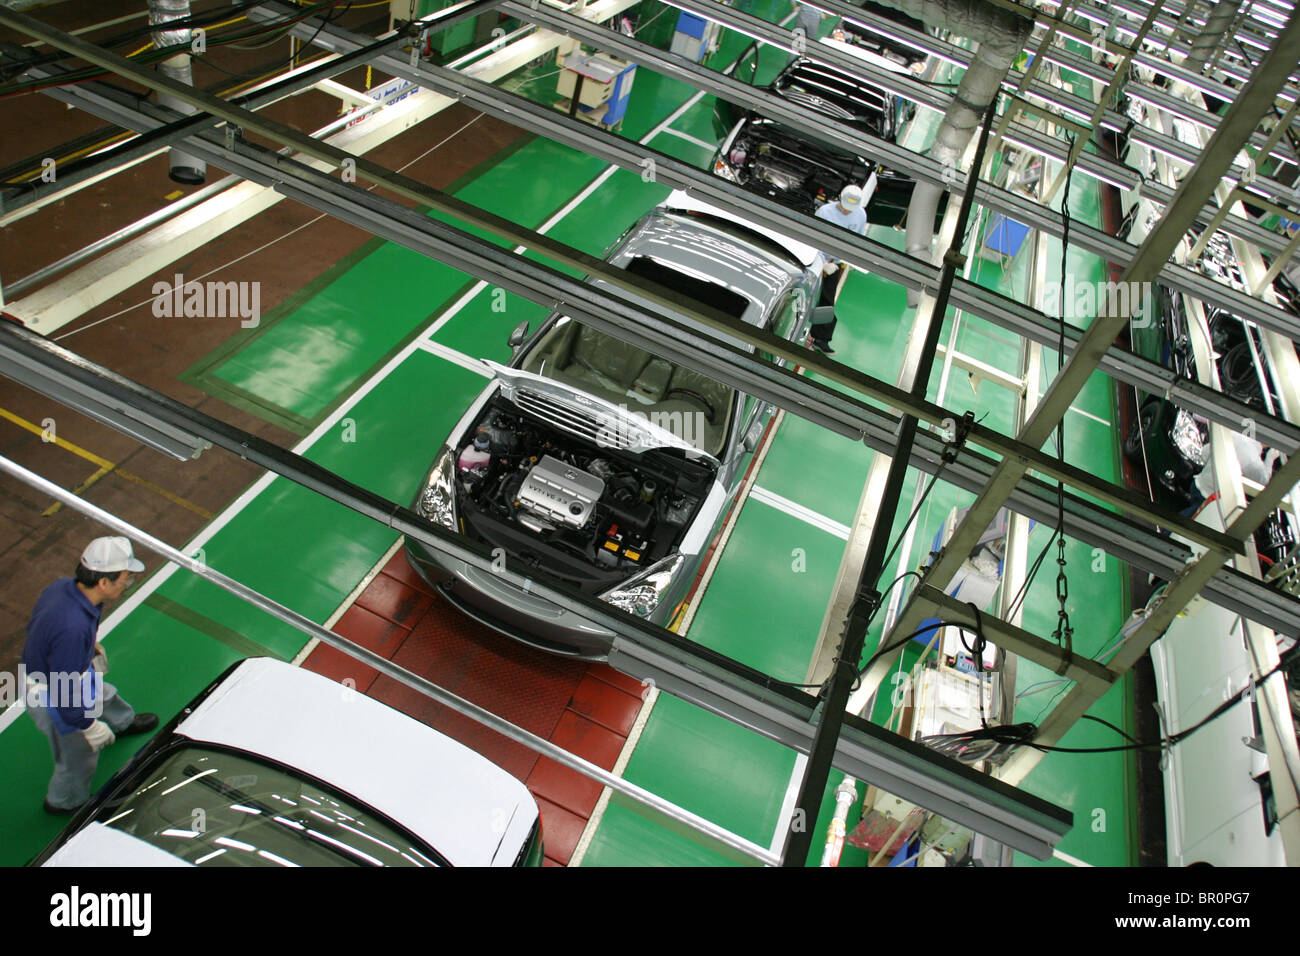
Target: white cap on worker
(110, 554)
(851, 196)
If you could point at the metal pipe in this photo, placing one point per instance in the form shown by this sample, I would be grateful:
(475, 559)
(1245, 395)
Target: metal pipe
(389, 669)
(121, 235)
(185, 167)
(845, 794)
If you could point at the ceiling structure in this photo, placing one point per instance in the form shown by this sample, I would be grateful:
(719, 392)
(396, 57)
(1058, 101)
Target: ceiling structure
(1249, 65)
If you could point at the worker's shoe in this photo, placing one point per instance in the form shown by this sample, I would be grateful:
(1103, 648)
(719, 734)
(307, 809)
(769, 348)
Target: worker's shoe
(142, 724)
(61, 811)
(824, 348)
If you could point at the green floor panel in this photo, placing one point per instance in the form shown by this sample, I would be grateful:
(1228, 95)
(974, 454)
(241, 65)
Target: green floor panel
(306, 361)
(700, 122)
(684, 150)
(481, 329)
(712, 767)
(795, 468)
(773, 628)
(379, 447)
(627, 838)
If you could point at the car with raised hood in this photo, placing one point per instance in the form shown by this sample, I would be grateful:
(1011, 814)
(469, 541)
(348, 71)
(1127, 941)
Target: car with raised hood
(604, 465)
(273, 765)
(800, 171)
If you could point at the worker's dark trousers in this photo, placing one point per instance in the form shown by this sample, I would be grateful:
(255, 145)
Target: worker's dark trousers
(823, 331)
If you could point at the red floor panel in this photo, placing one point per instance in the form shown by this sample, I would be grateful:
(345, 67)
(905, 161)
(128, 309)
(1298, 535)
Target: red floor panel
(561, 831)
(371, 631)
(390, 598)
(588, 709)
(608, 706)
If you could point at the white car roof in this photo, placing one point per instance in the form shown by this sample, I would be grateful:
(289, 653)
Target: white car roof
(98, 845)
(463, 805)
(679, 199)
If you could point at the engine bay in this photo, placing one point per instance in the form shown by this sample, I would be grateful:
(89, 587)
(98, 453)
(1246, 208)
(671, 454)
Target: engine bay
(789, 170)
(591, 514)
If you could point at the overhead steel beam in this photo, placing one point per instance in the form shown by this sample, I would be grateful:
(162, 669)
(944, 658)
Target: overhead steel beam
(847, 418)
(1018, 207)
(295, 82)
(1200, 182)
(1062, 57)
(681, 667)
(454, 253)
(882, 260)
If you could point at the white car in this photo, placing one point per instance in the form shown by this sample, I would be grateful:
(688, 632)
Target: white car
(273, 765)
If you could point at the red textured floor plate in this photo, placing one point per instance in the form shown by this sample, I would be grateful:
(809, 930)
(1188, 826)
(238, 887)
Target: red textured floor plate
(588, 709)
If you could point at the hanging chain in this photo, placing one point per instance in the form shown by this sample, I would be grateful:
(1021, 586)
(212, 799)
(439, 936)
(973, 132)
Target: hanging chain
(1064, 633)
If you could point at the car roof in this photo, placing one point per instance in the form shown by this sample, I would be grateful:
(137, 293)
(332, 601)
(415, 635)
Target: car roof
(98, 845)
(459, 802)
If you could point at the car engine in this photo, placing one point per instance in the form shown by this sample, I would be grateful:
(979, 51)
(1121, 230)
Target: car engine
(793, 172)
(590, 513)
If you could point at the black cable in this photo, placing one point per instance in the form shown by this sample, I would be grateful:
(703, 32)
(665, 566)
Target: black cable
(1117, 730)
(1182, 735)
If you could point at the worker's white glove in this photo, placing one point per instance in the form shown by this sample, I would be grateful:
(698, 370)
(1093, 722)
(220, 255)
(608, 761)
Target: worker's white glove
(100, 661)
(830, 268)
(99, 735)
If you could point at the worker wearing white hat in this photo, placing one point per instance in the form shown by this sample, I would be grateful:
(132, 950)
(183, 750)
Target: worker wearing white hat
(64, 665)
(848, 211)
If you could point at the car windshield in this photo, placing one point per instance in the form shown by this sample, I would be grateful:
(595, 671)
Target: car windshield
(680, 400)
(214, 808)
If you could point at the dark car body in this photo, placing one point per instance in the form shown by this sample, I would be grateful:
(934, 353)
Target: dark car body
(800, 171)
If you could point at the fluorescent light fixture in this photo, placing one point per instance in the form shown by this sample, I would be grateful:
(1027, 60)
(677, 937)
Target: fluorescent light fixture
(943, 57)
(736, 29)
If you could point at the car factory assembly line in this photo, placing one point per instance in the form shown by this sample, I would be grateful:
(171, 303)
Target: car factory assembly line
(514, 446)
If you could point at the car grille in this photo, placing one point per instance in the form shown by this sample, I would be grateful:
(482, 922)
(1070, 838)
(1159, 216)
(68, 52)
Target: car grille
(821, 105)
(601, 428)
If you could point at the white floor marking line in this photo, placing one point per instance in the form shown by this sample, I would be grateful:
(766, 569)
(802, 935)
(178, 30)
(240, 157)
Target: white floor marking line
(782, 831)
(1072, 860)
(711, 147)
(459, 358)
(1080, 411)
(649, 695)
(795, 510)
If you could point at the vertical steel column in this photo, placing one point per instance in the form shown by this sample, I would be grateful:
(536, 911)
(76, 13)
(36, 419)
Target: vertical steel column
(845, 669)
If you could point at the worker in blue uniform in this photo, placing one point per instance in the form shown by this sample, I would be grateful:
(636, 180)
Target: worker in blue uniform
(847, 211)
(64, 668)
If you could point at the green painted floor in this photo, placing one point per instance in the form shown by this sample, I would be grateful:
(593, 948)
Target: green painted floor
(366, 369)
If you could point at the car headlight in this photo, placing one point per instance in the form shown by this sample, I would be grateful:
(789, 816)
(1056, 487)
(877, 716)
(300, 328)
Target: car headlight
(641, 595)
(1186, 436)
(438, 499)
(720, 168)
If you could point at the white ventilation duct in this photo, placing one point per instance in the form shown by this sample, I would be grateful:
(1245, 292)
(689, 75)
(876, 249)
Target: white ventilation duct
(1001, 34)
(1217, 30)
(185, 168)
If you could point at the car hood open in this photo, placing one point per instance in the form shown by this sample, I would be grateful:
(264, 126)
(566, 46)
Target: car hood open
(598, 420)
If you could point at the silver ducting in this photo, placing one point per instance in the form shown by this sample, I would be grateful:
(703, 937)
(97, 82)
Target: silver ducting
(1001, 34)
(185, 167)
(1217, 29)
